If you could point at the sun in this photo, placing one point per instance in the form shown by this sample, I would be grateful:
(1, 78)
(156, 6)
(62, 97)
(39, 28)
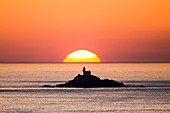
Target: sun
(82, 56)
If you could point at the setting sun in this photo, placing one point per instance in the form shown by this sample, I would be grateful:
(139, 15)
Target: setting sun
(82, 56)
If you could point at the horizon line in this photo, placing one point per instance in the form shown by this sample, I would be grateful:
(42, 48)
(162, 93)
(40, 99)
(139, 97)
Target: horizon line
(84, 62)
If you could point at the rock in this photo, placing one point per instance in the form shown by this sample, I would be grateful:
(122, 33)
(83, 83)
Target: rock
(89, 81)
(48, 86)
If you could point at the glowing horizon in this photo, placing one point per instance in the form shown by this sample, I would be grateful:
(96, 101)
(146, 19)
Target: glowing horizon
(82, 56)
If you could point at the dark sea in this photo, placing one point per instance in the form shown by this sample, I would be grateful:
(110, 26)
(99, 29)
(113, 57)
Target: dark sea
(21, 88)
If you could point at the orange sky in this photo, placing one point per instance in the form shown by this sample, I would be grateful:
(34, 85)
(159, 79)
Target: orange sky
(116, 30)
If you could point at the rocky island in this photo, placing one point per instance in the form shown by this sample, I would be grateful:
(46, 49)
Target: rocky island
(89, 81)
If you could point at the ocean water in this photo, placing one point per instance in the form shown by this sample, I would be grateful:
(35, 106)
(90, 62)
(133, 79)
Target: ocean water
(21, 88)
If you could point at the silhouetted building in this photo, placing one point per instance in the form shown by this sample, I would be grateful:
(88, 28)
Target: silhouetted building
(86, 73)
(88, 81)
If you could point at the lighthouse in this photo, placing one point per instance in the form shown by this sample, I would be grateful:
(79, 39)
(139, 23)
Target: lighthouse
(86, 73)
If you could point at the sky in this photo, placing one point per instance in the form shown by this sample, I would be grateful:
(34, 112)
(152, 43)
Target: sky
(115, 30)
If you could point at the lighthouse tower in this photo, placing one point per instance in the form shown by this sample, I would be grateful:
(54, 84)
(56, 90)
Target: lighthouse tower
(86, 73)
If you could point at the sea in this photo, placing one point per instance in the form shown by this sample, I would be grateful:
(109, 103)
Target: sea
(21, 88)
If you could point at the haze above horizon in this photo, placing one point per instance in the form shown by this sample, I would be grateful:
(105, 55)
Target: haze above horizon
(117, 31)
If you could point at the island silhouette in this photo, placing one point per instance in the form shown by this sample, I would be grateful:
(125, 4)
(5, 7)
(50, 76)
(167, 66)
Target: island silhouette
(89, 81)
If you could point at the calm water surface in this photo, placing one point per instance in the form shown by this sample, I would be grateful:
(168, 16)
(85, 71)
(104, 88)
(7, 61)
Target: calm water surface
(21, 91)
